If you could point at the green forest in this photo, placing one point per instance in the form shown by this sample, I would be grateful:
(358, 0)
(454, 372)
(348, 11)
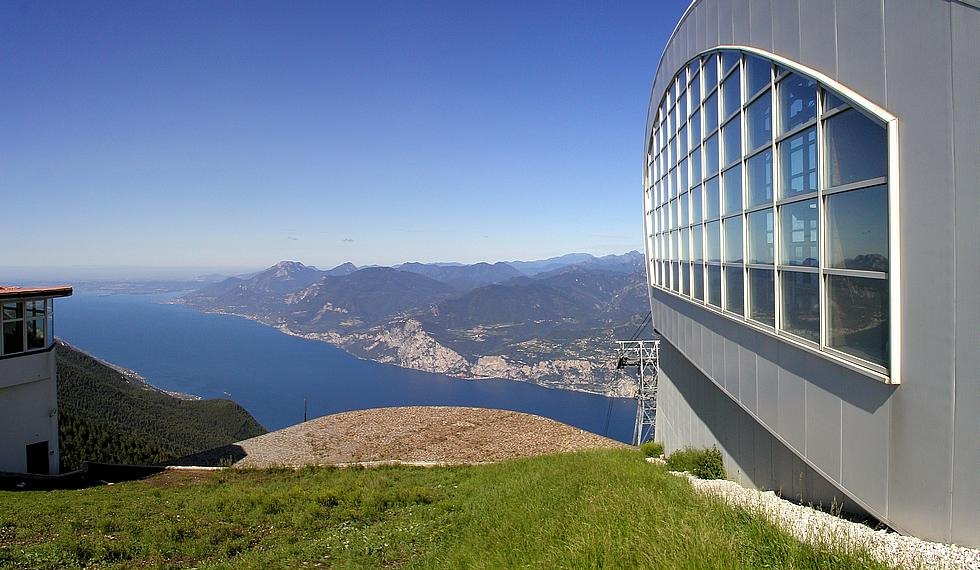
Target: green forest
(106, 417)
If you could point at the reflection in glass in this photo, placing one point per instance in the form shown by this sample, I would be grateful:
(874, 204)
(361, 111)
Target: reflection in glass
(734, 290)
(682, 108)
(711, 113)
(731, 135)
(711, 199)
(713, 239)
(758, 122)
(697, 243)
(682, 141)
(685, 278)
(695, 125)
(696, 205)
(857, 148)
(675, 282)
(760, 235)
(698, 291)
(13, 310)
(798, 163)
(729, 59)
(858, 314)
(685, 247)
(13, 337)
(798, 228)
(800, 311)
(731, 94)
(695, 90)
(797, 102)
(35, 308)
(831, 101)
(682, 176)
(710, 71)
(756, 74)
(732, 179)
(759, 169)
(857, 229)
(733, 239)
(35, 333)
(762, 296)
(714, 285)
(696, 166)
(684, 219)
(711, 155)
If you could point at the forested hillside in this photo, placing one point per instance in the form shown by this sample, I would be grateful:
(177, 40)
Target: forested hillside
(108, 417)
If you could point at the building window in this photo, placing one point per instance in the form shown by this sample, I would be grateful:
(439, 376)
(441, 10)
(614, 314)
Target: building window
(785, 221)
(26, 326)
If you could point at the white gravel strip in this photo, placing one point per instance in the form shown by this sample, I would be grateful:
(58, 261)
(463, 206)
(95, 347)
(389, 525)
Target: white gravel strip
(819, 528)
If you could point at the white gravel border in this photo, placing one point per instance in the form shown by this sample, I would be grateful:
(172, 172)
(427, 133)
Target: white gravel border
(819, 528)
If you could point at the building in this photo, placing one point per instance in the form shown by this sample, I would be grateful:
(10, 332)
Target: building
(28, 380)
(811, 198)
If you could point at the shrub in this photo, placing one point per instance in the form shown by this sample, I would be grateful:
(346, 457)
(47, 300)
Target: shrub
(702, 463)
(652, 449)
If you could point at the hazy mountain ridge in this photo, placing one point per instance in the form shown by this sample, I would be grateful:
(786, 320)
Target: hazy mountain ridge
(553, 328)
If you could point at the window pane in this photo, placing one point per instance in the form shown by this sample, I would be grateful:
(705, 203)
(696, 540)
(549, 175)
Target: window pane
(35, 308)
(675, 282)
(711, 199)
(682, 176)
(673, 246)
(734, 291)
(710, 71)
(711, 113)
(682, 141)
(713, 238)
(733, 239)
(762, 296)
(733, 189)
(696, 205)
(729, 59)
(798, 233)
(686, 278)
(684, 217)
(800, 311)
(13, 310)
(682, 108)
(695, 90)
(857, 148)
(756, 74)
(797, 102)
(35, 333)
(758, 122)
(714, 285)
(798, 163)
(831, 101)
(760, 178)
(731, 94)
(697, 243)
(698, 281)
(731, 135)
(760, 232)
(696, 166)
(711, 156)
(695, 125)
(857, 229)
(858, 314)
(685, 247)
(13, 337)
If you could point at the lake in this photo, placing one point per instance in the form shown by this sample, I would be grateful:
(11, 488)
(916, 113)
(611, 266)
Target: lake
(270, 373)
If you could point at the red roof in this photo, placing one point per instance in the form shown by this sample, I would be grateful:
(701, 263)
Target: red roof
(7, 292)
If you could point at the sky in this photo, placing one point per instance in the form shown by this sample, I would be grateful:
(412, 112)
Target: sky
(220, 135)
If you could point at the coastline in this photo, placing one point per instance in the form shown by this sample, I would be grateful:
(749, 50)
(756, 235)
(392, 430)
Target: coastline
(328, 336)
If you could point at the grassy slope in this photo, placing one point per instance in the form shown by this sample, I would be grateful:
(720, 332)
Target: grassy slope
(105, 417)
(591, 509)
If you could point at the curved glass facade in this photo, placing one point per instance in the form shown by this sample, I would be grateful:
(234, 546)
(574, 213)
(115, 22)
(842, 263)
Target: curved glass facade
(766, 197)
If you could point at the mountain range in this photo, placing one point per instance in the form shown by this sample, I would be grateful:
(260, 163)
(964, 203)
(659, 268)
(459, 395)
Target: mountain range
(550, 321)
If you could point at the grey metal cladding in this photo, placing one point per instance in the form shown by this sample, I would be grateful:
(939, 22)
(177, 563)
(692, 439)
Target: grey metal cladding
(817, 40)
(760, 24)
(860, 31)
(966, 142)
(786, 28)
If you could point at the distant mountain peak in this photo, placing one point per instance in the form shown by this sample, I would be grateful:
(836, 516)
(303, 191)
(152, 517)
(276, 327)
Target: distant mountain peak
(343, 269)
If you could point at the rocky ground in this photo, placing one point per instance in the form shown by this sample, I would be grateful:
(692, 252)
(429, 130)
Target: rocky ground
(419, 434)
(816, 527)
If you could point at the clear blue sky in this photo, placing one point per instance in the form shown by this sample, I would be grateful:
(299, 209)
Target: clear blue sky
(236, 134)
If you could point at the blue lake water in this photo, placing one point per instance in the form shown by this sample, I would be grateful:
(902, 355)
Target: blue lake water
(270, 373)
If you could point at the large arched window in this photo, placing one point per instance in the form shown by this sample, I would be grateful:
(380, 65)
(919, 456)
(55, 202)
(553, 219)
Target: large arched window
(766, 198)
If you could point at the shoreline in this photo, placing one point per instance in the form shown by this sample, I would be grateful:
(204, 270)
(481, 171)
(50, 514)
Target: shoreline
(284, 329)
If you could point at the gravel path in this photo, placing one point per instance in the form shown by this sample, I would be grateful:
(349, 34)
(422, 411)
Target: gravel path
(418, 435)
(817, 527)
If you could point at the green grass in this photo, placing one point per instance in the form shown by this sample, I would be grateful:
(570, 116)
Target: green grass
(652, 449)
(585, 510)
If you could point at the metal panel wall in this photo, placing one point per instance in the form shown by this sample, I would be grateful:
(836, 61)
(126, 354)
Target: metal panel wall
(909, 453)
